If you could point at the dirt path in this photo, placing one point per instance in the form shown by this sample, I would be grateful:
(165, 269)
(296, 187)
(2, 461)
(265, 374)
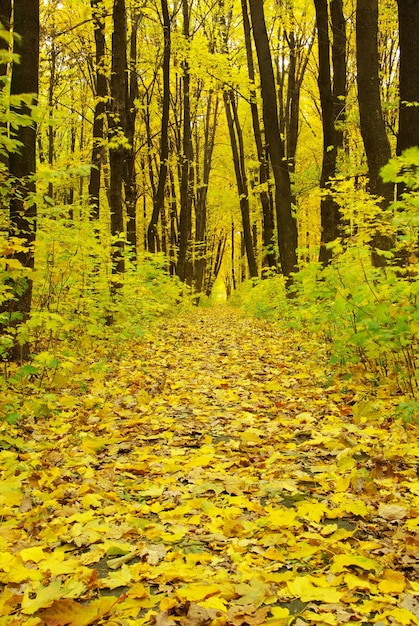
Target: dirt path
(213, 474)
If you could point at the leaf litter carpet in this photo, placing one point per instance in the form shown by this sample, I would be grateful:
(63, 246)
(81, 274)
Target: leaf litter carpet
(217, 472)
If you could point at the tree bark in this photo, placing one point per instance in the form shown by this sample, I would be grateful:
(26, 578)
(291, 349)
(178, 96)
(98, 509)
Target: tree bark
(373, 131)
(117, 139)
(184, 262)
(339, 69)
(130, 173)
(22, 163)
(100, 108)
(236, 141)
(374, 136)
(210, 126)
(329, 210)
(158, 196)
(268, 254)
(408, 134)
(286, 221)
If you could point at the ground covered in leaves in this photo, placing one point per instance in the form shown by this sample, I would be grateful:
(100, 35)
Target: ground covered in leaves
(218, 472)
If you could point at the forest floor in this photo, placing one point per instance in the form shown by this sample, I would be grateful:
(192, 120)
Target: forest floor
(217, 472)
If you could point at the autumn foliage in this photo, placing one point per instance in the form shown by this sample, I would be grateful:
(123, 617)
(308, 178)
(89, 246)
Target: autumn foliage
(218, 471)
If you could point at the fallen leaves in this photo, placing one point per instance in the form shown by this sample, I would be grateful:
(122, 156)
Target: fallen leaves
(216, 475)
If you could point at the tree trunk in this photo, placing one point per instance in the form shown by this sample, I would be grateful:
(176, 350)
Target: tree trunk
(339, 69)
(100, 108)
(5, 17)
(408, 134)
(184, 262)
(373, 131)
(130, 174)
(117, 139)
(268, 254)
(377, 146)
(236, 141)
(22, 163)
(329, 210)
(210, 127)
(286, 221)
(158, 196)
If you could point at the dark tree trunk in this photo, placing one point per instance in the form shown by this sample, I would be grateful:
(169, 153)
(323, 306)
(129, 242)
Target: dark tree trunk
(130, 174)
(373, 131)
(22, 163)
(236, 141)
(329, 210)
(202, 192)
(158, 196)
(408, 134)
(184, 262)
(339, 69)
(286, 221)
(377, 146)
(117, 138)
(269, 257)
(5, 17)
(100, 108)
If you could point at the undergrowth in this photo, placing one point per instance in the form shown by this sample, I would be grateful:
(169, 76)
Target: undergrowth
(367, 315)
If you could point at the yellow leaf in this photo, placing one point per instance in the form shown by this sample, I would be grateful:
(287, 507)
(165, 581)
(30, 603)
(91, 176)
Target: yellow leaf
(279, 613)
(167, 603)
(35, 554)
(91, 500)
(401, 616)
(196, 593)
(356, 582)
(301, 587)
(342, 561)
(281, 517)
(40, 597)
(323, 618)
(392, 582)
(313, 511)
(121, 578)
(76, 614)
(274, 555)
(17, 573)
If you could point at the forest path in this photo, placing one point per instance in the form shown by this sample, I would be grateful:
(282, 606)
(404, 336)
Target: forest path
(214, 473)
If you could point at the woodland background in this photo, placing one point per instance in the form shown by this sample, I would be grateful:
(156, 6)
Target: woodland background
(151, 148)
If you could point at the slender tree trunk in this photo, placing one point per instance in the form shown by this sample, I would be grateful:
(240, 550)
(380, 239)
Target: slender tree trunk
(100, 108)
(269, 257)
(286, 221)
(339, 69)
(158, 196)
(373, 131)
(236, 141)
(51, 90)
(377, 146)
(210, 127)
(130, 184)
(329, 210)
(184, 263)
(5, 17)
(22, 164)
(408, 134)
(117, 137)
